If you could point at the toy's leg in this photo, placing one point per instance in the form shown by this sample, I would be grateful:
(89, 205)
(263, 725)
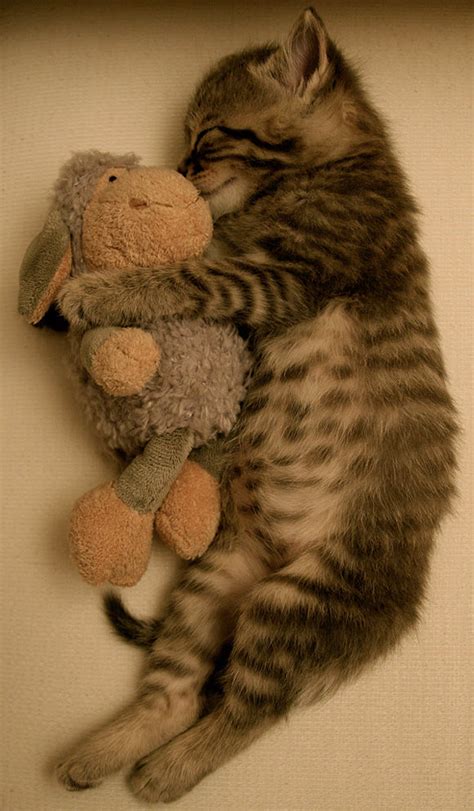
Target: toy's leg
(189, 517)
(112, 526)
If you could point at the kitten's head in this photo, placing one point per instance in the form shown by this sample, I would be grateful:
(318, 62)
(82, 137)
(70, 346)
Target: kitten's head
(271, 108)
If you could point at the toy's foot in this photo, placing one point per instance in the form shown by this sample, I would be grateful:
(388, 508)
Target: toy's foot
(189, 516)
(125, 361)
(109, 541)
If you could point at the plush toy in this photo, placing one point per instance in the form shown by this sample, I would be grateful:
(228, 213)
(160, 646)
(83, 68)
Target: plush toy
(154, 391)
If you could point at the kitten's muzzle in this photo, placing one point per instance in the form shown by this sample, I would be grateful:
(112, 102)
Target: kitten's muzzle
(190, 165)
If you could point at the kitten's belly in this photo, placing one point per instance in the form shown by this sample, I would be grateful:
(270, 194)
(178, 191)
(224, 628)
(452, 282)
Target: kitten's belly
(277, 488)
(293, 465)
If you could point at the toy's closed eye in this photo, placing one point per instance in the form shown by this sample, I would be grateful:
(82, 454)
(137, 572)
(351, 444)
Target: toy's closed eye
(112, 178)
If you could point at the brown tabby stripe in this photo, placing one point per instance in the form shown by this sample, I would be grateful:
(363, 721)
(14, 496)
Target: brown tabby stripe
(159, 662)
(225, 295)
(389, 334)
(341, 371)
(262, 378)
(286, 145)
(266, 666)
(256, 440)
(297, 371)
(335, 398)
(406, 391)
(197, 587)
(298, 410)
(256, 404)
(196, 281)
(243, 287)
(406, 360)
(193, 645)
(271, 286)
(284, 461)
(294, 433)
(319, 454)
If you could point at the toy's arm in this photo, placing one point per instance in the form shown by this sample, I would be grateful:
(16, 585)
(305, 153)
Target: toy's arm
(241, 290)
(120, 360)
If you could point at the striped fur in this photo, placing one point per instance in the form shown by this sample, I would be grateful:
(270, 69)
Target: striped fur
(341, 466)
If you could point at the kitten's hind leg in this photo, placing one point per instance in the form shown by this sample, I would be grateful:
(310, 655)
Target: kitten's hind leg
(200, 618)
(280, 635)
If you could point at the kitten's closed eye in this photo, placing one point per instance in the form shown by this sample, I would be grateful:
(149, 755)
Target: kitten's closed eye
(229, 162)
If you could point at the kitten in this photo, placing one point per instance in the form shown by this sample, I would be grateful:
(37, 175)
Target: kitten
(341, 465)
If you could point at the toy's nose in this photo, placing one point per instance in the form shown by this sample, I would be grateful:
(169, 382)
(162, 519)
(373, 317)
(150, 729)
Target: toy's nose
(136, 202)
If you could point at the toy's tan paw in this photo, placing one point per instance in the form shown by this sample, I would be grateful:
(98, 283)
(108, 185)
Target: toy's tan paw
(109, 541)
(125, 361)
(189, 516)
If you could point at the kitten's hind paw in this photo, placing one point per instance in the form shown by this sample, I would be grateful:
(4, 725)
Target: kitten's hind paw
(72, 775)
(163, 775)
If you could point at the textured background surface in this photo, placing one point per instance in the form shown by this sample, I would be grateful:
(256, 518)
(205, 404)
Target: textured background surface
(117, 76)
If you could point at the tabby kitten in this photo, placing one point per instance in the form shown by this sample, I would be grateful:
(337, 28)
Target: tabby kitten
(341, 465)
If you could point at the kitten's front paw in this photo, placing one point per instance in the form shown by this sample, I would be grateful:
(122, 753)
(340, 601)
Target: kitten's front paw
(76, 774)
(88, 301)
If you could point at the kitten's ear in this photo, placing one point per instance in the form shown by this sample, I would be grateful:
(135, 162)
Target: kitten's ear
(301, 63)
(306, 52)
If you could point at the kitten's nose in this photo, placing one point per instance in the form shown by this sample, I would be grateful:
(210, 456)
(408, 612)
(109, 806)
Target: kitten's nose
(184, 166)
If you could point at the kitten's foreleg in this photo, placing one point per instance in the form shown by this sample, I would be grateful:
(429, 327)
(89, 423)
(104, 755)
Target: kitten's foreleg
(239, 290)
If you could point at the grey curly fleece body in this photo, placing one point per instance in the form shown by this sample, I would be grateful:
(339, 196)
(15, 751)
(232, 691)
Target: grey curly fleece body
(201, 379)
(199, 385)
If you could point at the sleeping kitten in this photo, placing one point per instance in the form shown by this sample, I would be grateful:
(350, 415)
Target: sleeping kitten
(341, 466)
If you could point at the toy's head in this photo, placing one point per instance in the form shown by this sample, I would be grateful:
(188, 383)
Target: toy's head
(108, 213)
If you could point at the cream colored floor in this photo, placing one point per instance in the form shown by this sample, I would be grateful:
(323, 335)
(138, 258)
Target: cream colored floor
(117, 76)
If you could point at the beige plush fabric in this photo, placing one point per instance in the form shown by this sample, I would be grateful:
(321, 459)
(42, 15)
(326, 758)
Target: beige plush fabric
(121, 361)
(143, 209)
(189, 516)
(103, 531)
(116, 76)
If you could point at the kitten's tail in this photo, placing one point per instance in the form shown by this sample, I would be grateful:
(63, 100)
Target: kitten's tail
(136, 631)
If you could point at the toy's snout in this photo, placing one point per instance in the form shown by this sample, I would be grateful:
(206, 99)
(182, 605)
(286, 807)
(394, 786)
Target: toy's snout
(141, 217)
(137, 202)
(142, 188)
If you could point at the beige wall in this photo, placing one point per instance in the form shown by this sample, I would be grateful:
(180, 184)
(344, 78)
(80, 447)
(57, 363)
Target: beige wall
(117, 76)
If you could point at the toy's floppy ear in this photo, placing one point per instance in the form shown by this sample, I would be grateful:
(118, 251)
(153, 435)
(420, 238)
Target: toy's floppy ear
(46, 265)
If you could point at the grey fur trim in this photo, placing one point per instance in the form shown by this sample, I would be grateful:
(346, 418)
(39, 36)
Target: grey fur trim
(75, 186)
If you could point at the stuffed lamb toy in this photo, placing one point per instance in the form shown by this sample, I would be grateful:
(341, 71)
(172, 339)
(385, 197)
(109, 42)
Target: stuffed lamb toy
(154, 392)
